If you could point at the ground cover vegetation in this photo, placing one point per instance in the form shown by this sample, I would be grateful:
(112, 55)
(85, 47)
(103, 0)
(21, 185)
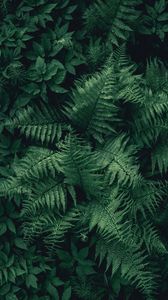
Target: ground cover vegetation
(83, 149)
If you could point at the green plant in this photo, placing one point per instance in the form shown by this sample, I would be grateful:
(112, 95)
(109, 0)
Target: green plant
(83, 150)
(104, 164)
(154, 22)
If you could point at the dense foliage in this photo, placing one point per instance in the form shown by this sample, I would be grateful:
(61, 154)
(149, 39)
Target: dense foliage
(83, 149)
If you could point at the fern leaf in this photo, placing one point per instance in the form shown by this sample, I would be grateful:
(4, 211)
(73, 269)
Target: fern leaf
(34, 226)
(151, 238)
(92, 109)
(119, 162)
(12, 187)
(37, 163)
(49, 195)
(115, 17)
(159, 157)
(146, 132)
(59, 226)
(41, 124)
(107, 215)
(78, 164)
(144, 199)
(134, 265)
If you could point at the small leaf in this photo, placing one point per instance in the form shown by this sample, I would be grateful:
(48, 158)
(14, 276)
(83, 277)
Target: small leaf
(11, 225)
(40, 65)
(20, 244)
(5, 289)
(57, 282)
(30, 88)
(23, 99)
(83, 253)
(53, 291)
(56, 88)
(31, 281)
(67, 294)
(116, 283)
(3, 228)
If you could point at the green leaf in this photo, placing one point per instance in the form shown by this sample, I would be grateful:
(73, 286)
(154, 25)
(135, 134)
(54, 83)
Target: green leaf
(56, 88)
(5, 289)
(31, 281)
(52, 69)
(163, 17)
(67, 294)
(64, 255)
(116, 283)
(11, 225)
(38, 49)
(11, 296)
(83, 253)
(70, 68)
(60, 76)
(53, 291)
(57, 282)
(40, 65)
(30, 88)
(20, 243)
(3, 228)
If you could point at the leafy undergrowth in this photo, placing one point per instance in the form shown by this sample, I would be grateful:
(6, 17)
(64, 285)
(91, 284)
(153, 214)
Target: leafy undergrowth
(83, 150)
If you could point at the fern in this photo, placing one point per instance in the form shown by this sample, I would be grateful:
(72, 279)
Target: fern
(117, 159)
(93, 177)
(13, 187)
(134, 264)
(108, 219)
(87, 288)
(92, 108)
(78, 164)
(53, 226)
(37, 163)
(159, 157)
(46, 195)
(118, 17)
(40, 124)
(59, 226)
(144, 199)
(151, 238)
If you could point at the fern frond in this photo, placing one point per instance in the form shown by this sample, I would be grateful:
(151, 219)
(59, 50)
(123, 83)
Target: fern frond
(37, 163)
(46, 195)
(146, 133)
(92, 109)
(121, 58)
(131, 85)
(143, 199)
(41, 124)
(53, 226)
(34, 226)
(12, 187)
(133, 263)
(78, 164)
(108, 220)
(150, 236)
(156, 76)
(87, 288)
(58, 228)
(159, 157)
(124, 20)
(105, 214)
(119, 161)
(115, 17)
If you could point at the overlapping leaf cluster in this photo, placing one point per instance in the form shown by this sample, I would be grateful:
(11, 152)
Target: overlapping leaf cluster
(83, 163)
